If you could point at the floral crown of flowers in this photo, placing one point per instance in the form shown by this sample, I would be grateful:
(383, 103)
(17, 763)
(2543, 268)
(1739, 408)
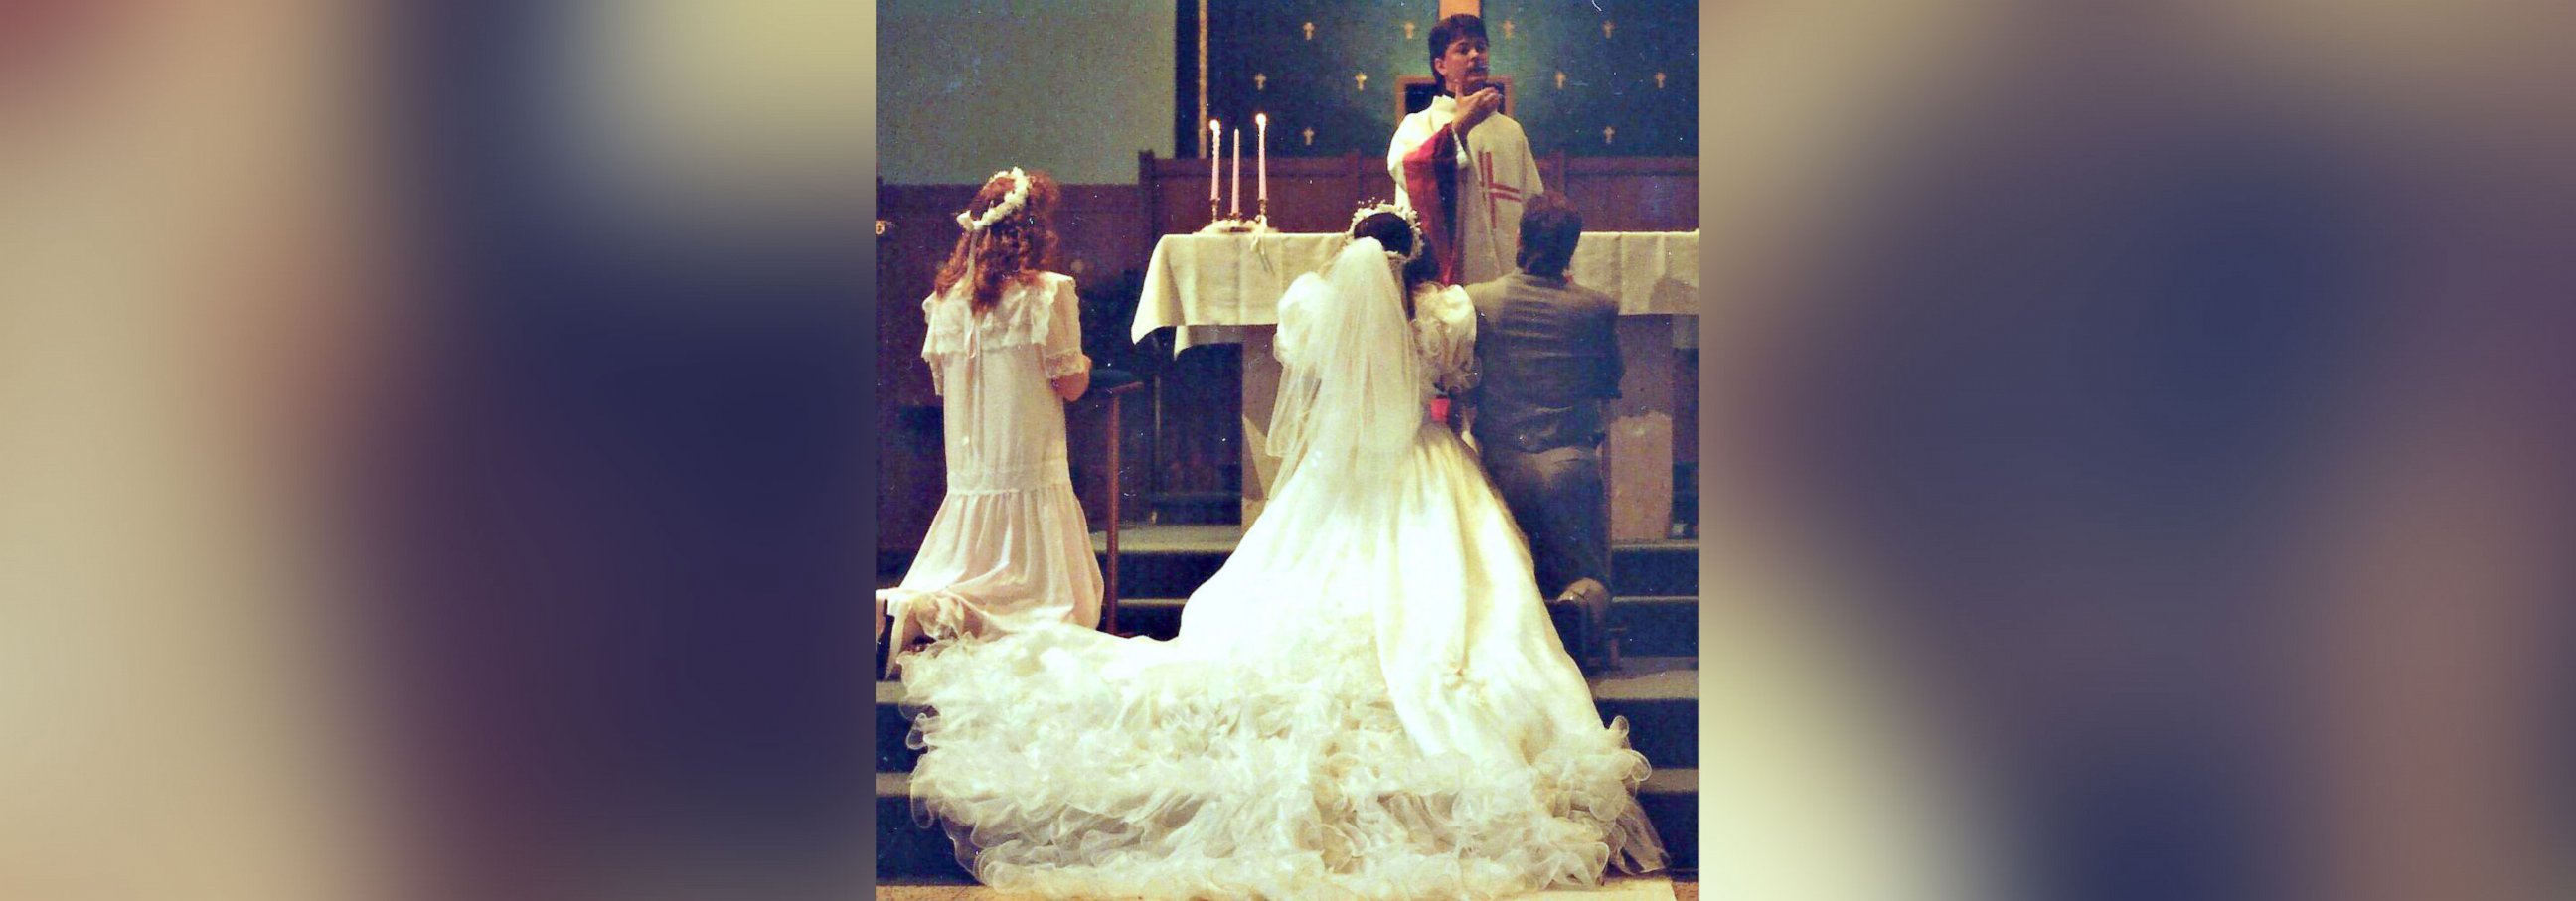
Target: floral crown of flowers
(1402, 212)
(1010, 203)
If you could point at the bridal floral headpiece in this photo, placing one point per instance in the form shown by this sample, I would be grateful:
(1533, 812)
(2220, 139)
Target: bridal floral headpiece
(1410, 221)
(1009, 203)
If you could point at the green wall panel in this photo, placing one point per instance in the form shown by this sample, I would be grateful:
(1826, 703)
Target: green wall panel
(966, 87)
(1610, 76)
(1261, 59)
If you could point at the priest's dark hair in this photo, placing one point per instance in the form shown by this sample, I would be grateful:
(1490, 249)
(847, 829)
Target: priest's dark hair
(1549, 230)
(1395, 235)
(1448, 31)
(1018, 247)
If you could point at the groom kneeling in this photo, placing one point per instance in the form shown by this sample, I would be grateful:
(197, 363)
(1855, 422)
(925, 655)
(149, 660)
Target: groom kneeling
(1549, 351)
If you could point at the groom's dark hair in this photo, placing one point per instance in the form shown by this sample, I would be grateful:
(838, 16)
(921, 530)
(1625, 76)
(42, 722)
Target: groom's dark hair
(1448, 31)
(1549, 230)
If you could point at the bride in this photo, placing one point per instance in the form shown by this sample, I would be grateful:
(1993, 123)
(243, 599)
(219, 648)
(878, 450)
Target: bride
(1367, 701)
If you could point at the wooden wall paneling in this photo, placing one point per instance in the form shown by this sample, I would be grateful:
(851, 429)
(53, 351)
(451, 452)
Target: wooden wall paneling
(912, 474)
(1149, 199)
(1317, 194)
(1375, 183)
(1635, 194)
(911, 470)
(916, 242)
(1099, 234)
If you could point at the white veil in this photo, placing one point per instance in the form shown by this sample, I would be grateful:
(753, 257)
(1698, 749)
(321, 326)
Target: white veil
(1351, 392)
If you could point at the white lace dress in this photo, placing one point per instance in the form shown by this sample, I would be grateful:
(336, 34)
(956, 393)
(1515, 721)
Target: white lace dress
(1008, 547)
(1366, 701)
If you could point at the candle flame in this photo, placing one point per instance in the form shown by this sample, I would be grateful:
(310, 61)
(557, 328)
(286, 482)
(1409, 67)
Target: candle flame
(1212, 125)
(1261, 119)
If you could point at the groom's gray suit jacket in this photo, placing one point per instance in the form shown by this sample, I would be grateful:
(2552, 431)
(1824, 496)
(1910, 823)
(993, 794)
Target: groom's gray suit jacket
(1549, 352)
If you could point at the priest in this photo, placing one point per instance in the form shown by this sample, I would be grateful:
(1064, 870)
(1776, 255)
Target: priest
(1461, 164)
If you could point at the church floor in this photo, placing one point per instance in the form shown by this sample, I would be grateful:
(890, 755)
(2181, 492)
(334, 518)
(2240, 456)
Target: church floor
(1653, 889)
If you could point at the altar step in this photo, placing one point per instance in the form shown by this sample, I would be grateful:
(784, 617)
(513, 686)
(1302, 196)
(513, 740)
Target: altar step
(908, 852)
(1658, 626)
(1656, 688)
(1223, 508)
(1662, 627)
(1658, 695)
(1170, 561)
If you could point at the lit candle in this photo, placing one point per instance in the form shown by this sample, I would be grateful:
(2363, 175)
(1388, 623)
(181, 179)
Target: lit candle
(1215, 144)
(1234, 203)
(1261, 156)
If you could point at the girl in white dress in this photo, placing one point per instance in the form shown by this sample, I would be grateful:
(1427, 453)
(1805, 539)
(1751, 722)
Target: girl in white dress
(1008, 547)
(1367, 701)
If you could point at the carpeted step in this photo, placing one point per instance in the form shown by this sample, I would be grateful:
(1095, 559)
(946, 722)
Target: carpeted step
(910, 852)
(1170, 561)
(1659, 696)
(1658, 625)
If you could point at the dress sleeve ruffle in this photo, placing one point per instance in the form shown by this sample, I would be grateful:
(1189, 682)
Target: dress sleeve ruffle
(1061, 329)
(1066, 363)
(930, 344)
(1444, 333)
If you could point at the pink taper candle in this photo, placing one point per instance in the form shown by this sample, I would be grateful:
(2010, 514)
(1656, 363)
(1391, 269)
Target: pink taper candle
(1215, 145)
(1261, 156)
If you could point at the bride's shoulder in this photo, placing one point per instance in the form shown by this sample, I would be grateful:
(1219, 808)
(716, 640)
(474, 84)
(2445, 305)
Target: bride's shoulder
(1440, 300)
(1302, 286)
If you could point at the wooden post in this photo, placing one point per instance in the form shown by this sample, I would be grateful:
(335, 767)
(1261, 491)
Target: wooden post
(1148, 198)
(1117, 485)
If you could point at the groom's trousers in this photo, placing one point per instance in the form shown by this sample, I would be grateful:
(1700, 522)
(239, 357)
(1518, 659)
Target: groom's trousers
(1560, 500)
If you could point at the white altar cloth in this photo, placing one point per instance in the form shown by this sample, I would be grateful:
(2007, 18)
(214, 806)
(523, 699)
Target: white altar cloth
(1203, 286)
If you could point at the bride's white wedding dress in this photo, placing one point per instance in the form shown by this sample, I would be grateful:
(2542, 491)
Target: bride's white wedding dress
(1367, 701)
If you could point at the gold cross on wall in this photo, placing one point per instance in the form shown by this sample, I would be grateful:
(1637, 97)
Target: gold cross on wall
(1606, 27)
(1560, 80)
(1310, 31)
(1361, 80)
(1607, 134)
(1261, 81)
(1408, 31)
(1659, 81)
(1310, 137)
(1507, 29)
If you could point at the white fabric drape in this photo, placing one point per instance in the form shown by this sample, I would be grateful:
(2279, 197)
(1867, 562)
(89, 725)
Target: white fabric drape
(1366, 701)
(1349, 388)
(1008, 547)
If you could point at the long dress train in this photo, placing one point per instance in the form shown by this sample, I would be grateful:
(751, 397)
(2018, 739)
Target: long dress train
(1366, 701)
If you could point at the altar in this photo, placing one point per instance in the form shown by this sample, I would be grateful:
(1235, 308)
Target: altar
(1225, 288)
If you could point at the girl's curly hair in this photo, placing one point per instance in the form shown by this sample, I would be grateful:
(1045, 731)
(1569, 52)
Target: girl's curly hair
(1020, 244)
